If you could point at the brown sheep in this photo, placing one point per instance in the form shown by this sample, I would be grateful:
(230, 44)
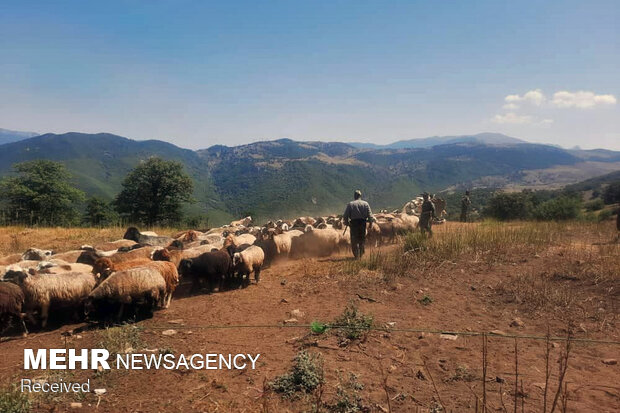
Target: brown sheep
(141, 286)
(11, 302)
(105, 267)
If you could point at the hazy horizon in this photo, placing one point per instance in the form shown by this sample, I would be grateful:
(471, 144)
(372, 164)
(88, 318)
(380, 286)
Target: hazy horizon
(198, 74)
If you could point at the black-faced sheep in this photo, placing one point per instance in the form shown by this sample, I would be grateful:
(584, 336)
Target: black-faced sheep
(214, 267)
(11, 302)
(247, 261)
(68, 289)
(134, 234)
(142, 287)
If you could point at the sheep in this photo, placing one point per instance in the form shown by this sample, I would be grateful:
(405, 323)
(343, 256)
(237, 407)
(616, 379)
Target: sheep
(168, 270)
(36, 254)
(134, 234)
(114, 245)
(103, 267)
(141, 286)
(10, 259)
(144, 252)
(213, 266)
(58, 266)
(247, 261)
(315, 242)
(68, 289)
(11, 302)
(245, 222)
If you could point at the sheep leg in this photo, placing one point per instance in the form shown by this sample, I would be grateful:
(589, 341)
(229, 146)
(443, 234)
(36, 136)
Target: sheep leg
(120, 312)
(169, 299)
(256, 275)
(45, 309)
(21, 319)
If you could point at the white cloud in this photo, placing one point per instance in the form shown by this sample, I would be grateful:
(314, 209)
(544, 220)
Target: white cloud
(581, 99)
(512, 118)
(510, 106)
(535, 97)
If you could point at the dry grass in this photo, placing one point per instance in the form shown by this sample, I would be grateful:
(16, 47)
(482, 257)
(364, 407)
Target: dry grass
(17, 239)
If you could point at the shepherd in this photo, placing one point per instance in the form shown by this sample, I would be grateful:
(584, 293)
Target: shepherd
(356, 216)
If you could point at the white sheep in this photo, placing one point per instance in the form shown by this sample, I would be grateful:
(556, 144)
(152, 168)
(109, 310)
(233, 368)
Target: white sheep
(247, 261)
(67, 289)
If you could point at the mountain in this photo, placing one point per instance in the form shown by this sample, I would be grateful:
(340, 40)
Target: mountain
(482, 138)
(286, 178)
(8, 136)
(99, 162)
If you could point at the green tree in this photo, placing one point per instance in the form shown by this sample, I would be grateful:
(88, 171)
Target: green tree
(154, 191)
(558, 209)
(99, 212)
(509, 206)
(611, 194)
(41, 193)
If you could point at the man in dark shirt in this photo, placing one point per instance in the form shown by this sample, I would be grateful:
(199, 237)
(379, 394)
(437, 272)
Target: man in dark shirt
(427, 215)
(465, 204)
(356, 215)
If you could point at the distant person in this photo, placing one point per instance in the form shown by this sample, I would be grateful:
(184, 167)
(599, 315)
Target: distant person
(356, 216)
(427, 215)
(465, 204)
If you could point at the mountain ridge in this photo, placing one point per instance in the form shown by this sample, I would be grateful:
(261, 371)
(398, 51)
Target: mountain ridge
(299, 177)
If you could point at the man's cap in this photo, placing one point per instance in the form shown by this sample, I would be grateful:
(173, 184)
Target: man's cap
(357, 192)
(466, 192)
(424, 194)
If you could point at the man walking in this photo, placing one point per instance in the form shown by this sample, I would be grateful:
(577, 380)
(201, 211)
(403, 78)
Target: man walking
(427, 215)
(356, 215)
(465, 204)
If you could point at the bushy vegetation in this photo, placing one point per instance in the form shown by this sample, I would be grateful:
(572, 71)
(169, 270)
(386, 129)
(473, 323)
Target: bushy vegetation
(99, 212)
(558, 209)
(352, 324)
(119, 339)
(509, 206)
(540, 205)
(12, 400)
(305, 376)
(40, 194)
(348, 398)
(154, 191)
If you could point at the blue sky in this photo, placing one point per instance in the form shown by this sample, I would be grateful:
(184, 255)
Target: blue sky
(199, 73)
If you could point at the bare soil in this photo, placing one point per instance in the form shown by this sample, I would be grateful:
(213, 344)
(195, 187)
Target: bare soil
(405, 365)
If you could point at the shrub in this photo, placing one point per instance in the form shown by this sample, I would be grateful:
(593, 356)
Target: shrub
(604, 215)
(415, 241)
(305, 376)
(352, 324)
(558, 209)
(12, 400)
(119, 339)
(348, 399)
(611, 194)
(594, 205)
(509, 206)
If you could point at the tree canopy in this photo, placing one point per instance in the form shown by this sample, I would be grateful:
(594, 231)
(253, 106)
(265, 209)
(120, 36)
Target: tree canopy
(41, 194)
(154, 191)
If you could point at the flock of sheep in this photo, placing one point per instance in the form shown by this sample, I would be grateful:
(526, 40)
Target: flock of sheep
(133, 276)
